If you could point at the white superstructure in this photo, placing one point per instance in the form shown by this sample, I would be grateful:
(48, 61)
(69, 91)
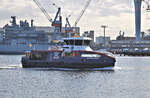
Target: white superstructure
(77, 43)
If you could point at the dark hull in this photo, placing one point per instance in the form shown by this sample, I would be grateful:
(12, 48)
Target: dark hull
(65, 65)
(76, 61)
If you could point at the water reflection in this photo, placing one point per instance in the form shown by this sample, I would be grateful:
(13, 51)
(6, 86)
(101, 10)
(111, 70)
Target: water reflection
(74, 70)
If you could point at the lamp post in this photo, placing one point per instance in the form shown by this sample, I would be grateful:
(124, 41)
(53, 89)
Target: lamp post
(104, 26)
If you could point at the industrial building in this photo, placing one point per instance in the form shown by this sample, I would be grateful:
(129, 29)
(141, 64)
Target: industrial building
(100, 41)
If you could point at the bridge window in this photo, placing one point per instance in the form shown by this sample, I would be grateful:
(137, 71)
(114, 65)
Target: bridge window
(78, 42)
(69, 42)
(86, 42)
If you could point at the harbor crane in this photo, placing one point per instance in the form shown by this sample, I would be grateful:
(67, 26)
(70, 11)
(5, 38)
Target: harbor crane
(82, 12)
(68, 28)
(138, 4)
(57, 22)
(43, 10)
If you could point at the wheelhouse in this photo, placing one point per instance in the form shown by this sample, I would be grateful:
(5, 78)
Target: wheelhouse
(79, 41)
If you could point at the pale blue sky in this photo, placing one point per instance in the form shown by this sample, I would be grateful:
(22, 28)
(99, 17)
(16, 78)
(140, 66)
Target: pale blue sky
(116, 14)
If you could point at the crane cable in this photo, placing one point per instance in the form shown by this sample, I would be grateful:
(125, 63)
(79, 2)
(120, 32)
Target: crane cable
(43, 10)
(82, 12)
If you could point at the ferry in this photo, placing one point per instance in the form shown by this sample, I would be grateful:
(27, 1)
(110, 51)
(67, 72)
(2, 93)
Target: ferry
(75, 52)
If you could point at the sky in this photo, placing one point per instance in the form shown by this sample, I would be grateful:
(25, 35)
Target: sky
(115, 14)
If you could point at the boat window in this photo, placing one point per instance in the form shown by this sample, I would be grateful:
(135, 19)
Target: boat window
(70, 54)
(90, 55)
(86, 42)
(69, 42)
(66, 54)
(66, 41)
(78, 42)
(38, 56)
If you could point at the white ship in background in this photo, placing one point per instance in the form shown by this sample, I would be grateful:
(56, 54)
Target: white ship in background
(16, 39)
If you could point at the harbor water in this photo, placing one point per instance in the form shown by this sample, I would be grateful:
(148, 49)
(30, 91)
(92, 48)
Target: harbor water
(129, 79)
